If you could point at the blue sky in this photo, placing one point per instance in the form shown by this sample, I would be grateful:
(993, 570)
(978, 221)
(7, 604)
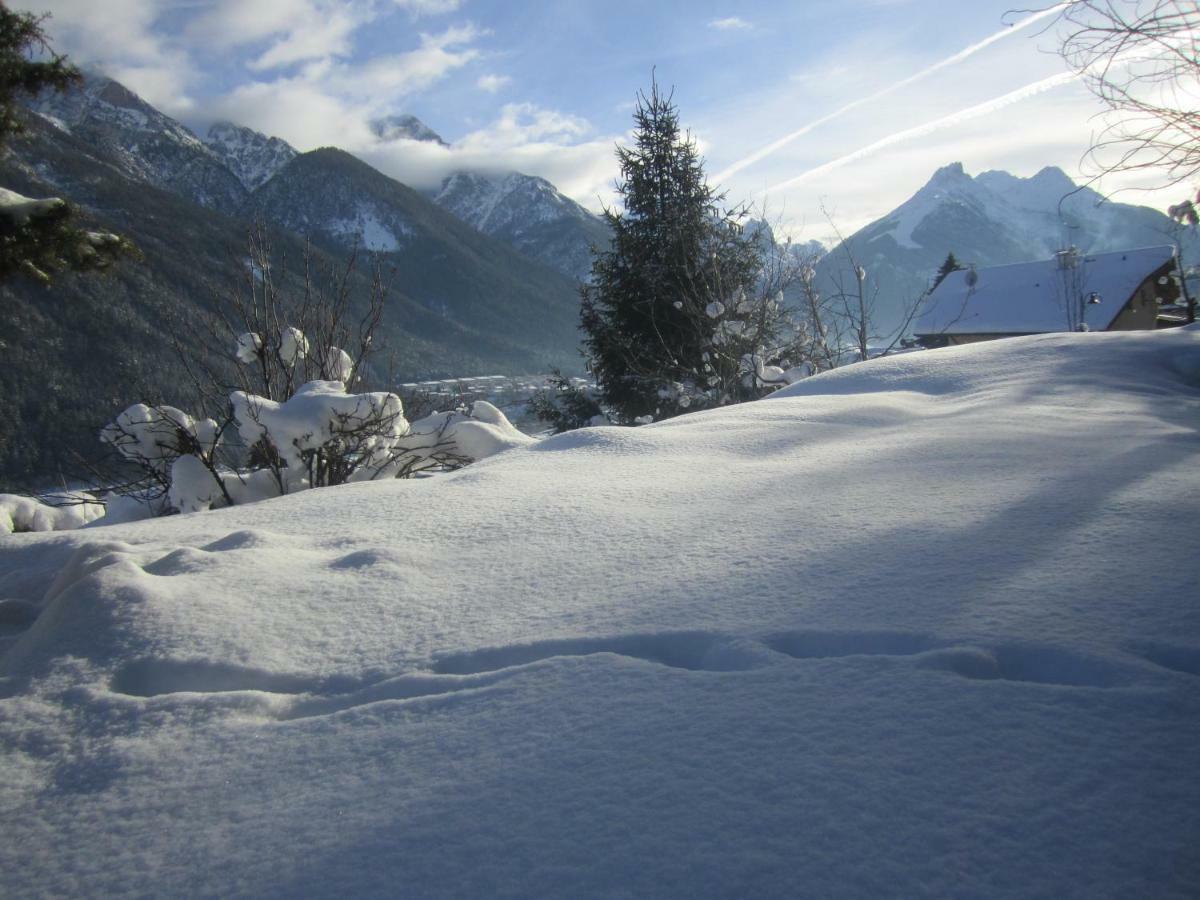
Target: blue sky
(547, 88)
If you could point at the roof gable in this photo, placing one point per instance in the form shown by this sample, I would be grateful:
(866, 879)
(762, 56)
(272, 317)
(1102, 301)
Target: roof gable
(1029, 298)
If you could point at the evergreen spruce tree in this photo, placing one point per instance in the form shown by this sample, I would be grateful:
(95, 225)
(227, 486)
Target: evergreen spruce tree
(949, 265)
(40, 237)
(669, 315)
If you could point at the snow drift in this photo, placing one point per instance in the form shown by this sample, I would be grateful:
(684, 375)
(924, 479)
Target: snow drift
(923, 626)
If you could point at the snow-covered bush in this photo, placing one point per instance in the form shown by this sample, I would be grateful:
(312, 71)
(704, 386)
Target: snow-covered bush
(151, 439)
(19, 513)
(154, 436)
(319, 437)
(39, 237)
(279, 413)
(323, 436)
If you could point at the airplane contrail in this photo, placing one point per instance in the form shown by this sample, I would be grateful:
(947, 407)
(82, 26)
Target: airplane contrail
(854, 104)
(970, 112)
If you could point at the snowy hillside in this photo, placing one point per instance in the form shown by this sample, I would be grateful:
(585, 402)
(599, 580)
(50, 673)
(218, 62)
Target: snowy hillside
(923, 626)
(250, 155)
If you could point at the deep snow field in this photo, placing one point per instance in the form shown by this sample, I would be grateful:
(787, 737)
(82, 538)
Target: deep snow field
(923, 626)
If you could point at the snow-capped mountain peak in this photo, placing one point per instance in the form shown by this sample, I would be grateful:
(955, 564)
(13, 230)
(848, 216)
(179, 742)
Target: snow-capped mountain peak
(405, 128)
(100, 99)
(528, 213)
(252, 156)
(146, 144)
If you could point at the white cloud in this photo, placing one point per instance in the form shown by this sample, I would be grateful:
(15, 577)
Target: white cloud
(313, 40)
(118, 37)
(89, 30)
(524, 123)
(308, 30)
(492, 83)
(384, 78)
(732, 23)
(231, 23)
(297, 110)
(163, 86)
(428, 7)
(330, 102)
(524, 138)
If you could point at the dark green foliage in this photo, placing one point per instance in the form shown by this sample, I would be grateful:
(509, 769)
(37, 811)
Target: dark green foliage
(563, 405)
(949, 265)
(21, 35)
(649, 334)
(40, 238)
(47, 241)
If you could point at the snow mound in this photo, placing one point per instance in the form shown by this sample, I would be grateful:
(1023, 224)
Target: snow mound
(925, 626)
(19, 513)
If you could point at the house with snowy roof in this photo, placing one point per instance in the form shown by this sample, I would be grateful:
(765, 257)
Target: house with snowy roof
(1119, 291)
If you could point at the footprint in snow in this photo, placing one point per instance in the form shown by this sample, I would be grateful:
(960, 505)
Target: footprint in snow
(1177, 658)
(1035, 664)
(691, 650)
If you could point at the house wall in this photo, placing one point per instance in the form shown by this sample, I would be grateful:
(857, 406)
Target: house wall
(1141, 312)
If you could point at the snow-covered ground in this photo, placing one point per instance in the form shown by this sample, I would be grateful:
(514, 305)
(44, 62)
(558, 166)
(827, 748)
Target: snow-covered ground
(923, 626)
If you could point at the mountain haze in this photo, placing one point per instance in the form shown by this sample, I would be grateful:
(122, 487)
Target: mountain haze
(526, 212)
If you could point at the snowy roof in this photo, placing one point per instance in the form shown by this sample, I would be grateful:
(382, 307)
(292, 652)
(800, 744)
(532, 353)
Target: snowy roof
(1028, 298)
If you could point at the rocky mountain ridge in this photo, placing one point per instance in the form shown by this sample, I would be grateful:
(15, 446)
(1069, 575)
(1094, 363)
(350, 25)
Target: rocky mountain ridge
(232, 162)
(404, 127)
(250, 155)
(145, 144)
(527, 213)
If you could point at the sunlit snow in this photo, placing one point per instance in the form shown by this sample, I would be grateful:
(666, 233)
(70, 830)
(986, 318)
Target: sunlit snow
(921, 626)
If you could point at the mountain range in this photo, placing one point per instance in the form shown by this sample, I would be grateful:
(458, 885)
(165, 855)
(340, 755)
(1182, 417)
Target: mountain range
(526, 212)
(991, 219)
(223, 171)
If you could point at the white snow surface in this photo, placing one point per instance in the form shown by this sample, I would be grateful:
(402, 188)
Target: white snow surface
(921, 626)
(371, 231)
(249, 345)
(20, 209)
(21, 513)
